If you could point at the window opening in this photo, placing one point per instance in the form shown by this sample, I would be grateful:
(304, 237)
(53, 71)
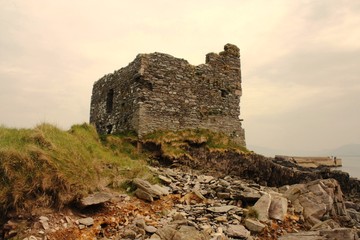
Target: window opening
(109, 129)
(224, 93)
(110, 101)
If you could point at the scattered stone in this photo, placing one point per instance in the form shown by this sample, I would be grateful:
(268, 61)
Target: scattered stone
(319, 198)
(86, 221)
(188, 232)
(278, 208)
(147, 191)
(140, 222)
(298, 209)
(155, 237)
(237, 231)
(150, 229)
(205, 179)
(249, 195)
(221, 219)
(212, 210)
(262, 207)
(223, 195)
(45, 225)
(165, 179)
(354, 214)
(44, 222)
(310, 235)
(95, 199)
(254, 226)
(328, 224)
(143, 195)
(207, 229)
(221, 209)
(340, 233)
(31, 238)
(128, 233)
(331, 234)
(224, 183)
(43, 218)
(163, 190)
(166, 232)
(352, 205)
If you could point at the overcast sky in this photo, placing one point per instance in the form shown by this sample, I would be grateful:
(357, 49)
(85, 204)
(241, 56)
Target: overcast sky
(300, 60)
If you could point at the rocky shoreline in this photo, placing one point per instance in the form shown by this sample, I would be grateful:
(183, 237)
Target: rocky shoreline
(262, 170)
(191, 205)
(210, 195)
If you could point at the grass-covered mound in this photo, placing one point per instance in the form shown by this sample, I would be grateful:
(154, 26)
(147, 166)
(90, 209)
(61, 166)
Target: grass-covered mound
(176, 144)
(49, 167)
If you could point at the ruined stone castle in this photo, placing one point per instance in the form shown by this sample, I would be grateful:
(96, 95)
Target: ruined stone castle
(160, 92)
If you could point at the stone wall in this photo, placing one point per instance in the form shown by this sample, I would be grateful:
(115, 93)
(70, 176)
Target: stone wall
(160, 92)
(116, 112)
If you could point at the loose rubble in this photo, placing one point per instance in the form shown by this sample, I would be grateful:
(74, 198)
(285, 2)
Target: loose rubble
(195, 206)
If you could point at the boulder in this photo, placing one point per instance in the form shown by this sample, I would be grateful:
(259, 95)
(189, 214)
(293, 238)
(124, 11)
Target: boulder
(155, 237)
(311, 235)
(129, 234)
(44, 222)
(163, 190)
(165, 233)
(254, 226)
(221, 209)
(147, 191)
(205, 179)
(144, 195)
(248, 195)
(354, 214)
(165, 179)
(86, 221)
(352, 205)
(95, 199)
(328, 224)
(318, 198)
(278, 207)
(340, 233)
(150, 229)
(189, 232)
(183, 233)
(237, 231)
(262, 207)
(330, 234)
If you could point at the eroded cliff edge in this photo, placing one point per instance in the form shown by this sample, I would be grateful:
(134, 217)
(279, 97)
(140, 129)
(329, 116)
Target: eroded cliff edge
(249, 165)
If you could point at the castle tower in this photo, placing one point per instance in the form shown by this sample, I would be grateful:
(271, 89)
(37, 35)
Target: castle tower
(160, 92)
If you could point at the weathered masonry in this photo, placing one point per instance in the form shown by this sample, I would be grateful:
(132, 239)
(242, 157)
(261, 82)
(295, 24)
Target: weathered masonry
(160, 92)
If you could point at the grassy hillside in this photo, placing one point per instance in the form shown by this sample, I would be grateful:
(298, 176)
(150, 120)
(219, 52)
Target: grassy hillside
(46, 166)
(49, 167)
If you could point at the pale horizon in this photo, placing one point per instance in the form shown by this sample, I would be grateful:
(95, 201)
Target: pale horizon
(299, 60)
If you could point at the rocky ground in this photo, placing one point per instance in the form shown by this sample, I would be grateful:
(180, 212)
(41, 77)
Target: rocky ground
(190, 205)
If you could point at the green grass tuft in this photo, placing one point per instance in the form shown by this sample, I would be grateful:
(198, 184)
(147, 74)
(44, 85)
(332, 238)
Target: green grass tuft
(252, 213)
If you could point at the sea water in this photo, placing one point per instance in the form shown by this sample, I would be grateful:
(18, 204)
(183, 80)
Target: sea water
(351, 164)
